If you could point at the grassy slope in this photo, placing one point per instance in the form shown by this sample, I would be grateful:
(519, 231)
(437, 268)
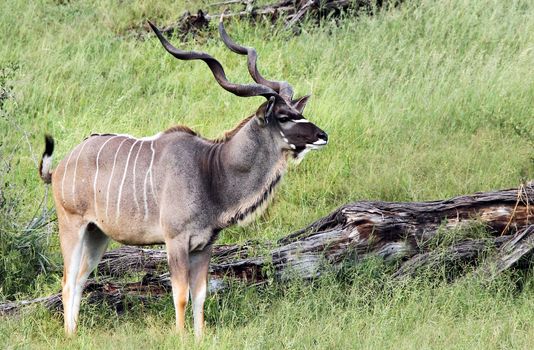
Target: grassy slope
(427, 101)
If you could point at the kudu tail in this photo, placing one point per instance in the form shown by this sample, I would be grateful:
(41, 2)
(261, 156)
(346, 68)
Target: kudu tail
(46, 160)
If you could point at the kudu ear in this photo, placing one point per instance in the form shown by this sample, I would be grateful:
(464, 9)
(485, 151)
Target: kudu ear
(300, 103)
(268, 115)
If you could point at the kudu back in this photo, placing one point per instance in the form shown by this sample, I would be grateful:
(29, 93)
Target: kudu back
(176, 187)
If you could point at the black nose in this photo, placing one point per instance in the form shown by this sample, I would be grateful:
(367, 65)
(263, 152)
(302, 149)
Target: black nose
(322, 135)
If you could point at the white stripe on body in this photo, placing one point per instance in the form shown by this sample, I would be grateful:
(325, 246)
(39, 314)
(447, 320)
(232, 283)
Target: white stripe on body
(145, 196)
(111, 176)
(133, 171)
(117, 213)
(154, 194)
(96, 173)
(65, 173)
(65, 213)
(142, 140)
(76, 168)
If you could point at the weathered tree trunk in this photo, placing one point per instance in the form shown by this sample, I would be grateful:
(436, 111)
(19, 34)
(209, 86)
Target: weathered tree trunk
(406, 232)
(291, 12)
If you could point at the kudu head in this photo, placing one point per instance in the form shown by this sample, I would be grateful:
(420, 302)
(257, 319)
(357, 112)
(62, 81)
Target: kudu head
(280, 115)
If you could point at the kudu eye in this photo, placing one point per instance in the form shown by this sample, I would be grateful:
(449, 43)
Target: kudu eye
(284, 119)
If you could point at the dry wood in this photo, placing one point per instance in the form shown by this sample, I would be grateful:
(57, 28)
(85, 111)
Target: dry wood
(292, 12)
(390, 230)
(395, 231)
(516, 247)
(230, 2)
(469, 252)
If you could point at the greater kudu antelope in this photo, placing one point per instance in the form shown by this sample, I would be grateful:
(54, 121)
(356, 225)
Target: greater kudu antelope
(175, 187)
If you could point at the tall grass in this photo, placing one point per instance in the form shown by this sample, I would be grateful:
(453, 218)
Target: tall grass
(427, 100)
(363, 309)
(24, 255)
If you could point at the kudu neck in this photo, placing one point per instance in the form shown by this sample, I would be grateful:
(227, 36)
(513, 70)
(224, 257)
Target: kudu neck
(253, 166)
(251, 149)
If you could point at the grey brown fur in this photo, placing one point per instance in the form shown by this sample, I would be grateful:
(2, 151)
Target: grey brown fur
(175, 188)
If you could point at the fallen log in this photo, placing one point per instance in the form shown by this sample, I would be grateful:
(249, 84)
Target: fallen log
(292, 12)
(406, 232)
(352, 232)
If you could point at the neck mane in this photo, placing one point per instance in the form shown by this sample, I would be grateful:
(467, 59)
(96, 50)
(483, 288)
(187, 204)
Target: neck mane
(227, 135)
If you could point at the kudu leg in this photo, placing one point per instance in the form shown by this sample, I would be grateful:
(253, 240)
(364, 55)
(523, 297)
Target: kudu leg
(198, 279)
(178, 258)
(82, 246)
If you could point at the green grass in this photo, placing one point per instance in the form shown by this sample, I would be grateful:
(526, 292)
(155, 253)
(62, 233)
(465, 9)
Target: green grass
(428, 100)
(365, 310)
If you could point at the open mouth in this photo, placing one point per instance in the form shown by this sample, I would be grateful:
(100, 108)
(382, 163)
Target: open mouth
(317, 144)
(298, 155)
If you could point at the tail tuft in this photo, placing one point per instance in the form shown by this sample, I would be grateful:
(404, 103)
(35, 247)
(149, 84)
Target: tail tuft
(46, 160)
